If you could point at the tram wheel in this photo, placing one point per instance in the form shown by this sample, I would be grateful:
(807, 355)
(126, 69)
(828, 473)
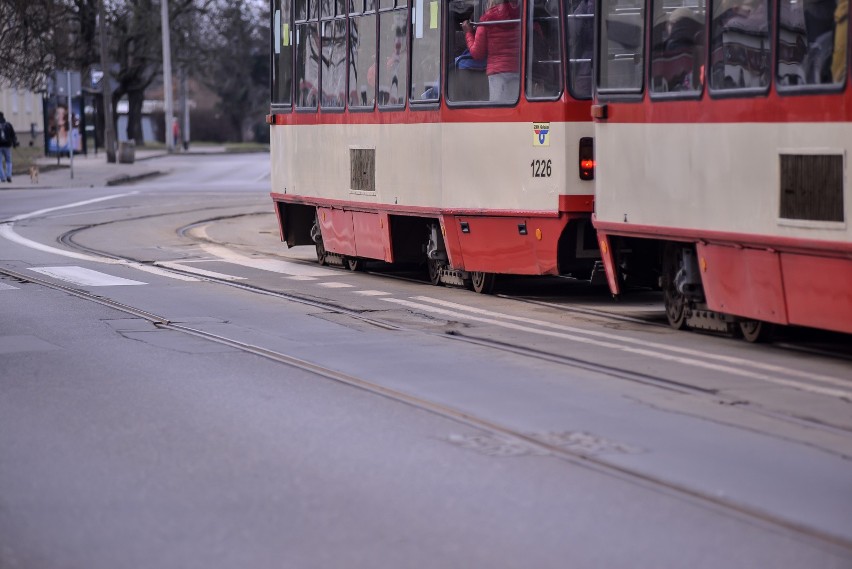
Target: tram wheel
(675, 301)
(482, 283)
(434, 270)
(354, 263)
(321, 255)
(755, 331)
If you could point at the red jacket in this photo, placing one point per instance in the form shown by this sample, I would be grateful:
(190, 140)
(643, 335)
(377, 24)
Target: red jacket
(500, 43)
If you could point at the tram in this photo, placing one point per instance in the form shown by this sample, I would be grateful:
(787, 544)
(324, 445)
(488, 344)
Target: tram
(388, 141)
(723, 132)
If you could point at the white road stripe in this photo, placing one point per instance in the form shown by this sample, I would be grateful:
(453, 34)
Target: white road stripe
(7, 231)
(622, 347)
(197, 271)
(301, 278)
(653, 345)
(84, 277)
(4, 286)
(271, 265)
(371, 292)
(335, 285)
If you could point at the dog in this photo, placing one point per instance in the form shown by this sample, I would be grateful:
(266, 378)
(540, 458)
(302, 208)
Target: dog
(34, 174)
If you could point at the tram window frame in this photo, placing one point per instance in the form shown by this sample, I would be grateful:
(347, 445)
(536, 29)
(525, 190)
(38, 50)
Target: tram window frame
(277, 25)
(388, 9)
(449, 62)
(336, 19)
(300, 22)
(808, 88)
(431, 102)
(630, 93)
(656, 20)
(368, 11)
(740, 92)
(529, 51)
(570, 77)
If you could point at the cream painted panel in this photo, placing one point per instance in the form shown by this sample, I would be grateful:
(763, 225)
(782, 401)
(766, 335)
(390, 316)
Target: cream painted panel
(432, 165)
(719, 177)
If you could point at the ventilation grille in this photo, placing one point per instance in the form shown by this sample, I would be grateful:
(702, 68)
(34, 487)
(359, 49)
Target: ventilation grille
(362, 163)
(812, 187)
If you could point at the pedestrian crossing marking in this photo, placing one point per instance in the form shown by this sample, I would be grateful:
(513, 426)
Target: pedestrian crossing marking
(335, 285)
(301, 278)
(371, 292)
(4, 286)
(84, 277)
(196, 271)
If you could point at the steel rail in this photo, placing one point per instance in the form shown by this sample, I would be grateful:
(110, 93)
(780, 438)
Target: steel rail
(574, 457)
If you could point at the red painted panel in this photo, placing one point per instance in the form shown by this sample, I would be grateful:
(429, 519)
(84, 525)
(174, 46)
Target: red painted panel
(369, 232)
(494, 244)
(577, 203)
(451, 231)
(743, 282)
(771, 108)
(819, 291)
(384, 221)
(338, 234)
(609, 263)
(753, 240)
(566, 110)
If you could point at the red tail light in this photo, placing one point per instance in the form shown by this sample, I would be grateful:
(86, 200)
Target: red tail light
(587, 158)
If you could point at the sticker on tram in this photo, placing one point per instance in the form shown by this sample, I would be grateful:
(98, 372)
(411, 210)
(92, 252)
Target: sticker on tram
(541, 134)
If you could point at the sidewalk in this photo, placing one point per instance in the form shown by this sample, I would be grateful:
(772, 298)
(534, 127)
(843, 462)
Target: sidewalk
(91, 171)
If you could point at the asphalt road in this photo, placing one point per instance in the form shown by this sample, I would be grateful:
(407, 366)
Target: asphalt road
(266, 412)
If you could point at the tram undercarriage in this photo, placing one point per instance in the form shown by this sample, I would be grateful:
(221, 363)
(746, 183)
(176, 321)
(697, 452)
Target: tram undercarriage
(453, 249)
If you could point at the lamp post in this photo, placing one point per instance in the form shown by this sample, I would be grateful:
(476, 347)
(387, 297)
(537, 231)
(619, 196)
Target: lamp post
(106, 90)
(167, 75)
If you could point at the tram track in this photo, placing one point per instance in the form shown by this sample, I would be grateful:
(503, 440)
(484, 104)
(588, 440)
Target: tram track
(573, 456)
(67, 239)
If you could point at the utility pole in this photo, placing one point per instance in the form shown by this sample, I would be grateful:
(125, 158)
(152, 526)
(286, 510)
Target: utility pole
(184, 113)
(70, 117)
(167, 75)
(106, 89)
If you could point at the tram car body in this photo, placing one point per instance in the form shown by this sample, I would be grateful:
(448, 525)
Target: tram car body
(731, 190)
(386, 143)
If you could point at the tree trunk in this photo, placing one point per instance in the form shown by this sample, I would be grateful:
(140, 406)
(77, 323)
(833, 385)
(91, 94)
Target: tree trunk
(134, 116)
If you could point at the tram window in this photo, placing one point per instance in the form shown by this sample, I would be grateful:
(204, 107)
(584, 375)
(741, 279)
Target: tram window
(811, 43)
(425, 50)
(282, 53)
(393, 57)
(579, 41)
(544, 54)
(333, 74)
(362, 61)
(306, 10)
(739, 45)
(677, 46)
(490, 70)
(307, 65)
(622, 55)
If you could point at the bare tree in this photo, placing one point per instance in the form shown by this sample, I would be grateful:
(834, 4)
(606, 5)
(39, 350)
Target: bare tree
(238, 67)
(31, 35)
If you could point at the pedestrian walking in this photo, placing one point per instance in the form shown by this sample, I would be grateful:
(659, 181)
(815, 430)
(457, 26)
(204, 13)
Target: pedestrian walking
(8, 140)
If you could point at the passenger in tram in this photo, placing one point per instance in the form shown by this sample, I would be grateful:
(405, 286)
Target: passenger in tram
(499, 44)
(677, 58)
(820, 26)
(841, 33)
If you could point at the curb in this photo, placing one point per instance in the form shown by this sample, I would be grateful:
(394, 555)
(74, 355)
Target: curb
(128, 178)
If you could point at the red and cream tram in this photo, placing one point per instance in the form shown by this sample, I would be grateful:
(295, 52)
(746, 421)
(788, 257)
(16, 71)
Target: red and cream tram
(388, 141)
(723, 132)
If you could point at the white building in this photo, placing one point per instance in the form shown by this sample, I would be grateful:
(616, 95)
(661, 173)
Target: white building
(23, 109)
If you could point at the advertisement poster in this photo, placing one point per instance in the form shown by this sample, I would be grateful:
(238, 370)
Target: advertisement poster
(63, 130)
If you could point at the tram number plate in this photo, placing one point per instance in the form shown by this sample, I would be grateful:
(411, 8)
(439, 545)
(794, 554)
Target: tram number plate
(541, 168)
